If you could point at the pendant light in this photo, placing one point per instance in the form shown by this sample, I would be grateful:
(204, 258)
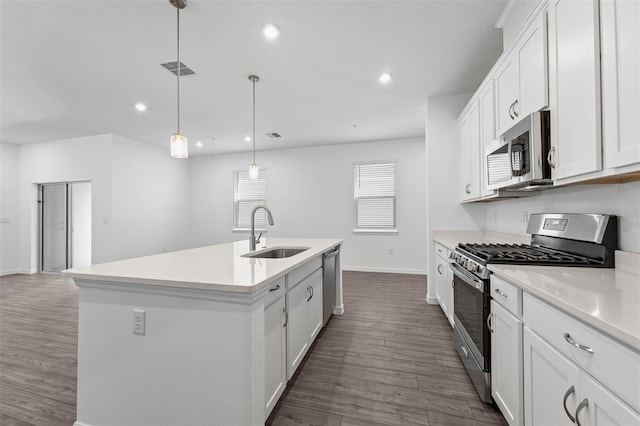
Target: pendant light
(179, 142)
(254, 171)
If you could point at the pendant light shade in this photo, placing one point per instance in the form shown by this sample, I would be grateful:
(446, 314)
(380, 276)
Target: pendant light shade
(179, 146)
(179, 142)
(254, 170)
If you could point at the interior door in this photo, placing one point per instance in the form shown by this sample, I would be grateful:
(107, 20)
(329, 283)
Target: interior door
(65, 225)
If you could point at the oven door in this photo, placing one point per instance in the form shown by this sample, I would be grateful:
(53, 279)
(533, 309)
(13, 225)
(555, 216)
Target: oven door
(471, 309)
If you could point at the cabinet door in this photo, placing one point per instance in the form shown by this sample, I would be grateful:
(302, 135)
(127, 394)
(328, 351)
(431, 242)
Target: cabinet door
(486, 103)
(441, 283)
(506, 93)
(551, 383)
(620, 37)
(531, 51)
(275, 343)
(603, 408)
(297, 342)
(465, 158)
(506, 363)
(314, 305)
(574, 88)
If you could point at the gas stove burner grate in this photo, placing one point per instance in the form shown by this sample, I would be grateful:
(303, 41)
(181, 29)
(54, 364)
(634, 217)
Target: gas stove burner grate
(523, 253)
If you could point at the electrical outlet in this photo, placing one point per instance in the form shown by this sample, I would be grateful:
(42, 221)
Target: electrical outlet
(138, 321)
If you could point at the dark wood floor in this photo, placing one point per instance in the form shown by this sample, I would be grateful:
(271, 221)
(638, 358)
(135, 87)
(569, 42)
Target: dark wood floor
(387, 361)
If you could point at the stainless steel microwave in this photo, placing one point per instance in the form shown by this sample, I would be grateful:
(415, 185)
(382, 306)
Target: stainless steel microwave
(518, 159)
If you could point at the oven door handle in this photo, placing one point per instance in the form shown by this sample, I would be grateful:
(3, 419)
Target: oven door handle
(466, 277)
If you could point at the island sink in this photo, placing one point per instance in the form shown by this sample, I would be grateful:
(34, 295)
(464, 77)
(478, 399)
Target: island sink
(276, 252)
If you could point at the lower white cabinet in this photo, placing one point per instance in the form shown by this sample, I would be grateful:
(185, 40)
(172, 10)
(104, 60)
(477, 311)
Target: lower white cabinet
(558, 392)
(444, 278)
(506, 363)
(275, 345)
(304, 308)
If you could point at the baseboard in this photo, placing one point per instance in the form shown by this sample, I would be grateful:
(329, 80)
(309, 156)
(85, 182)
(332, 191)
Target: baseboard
(432, 300)
(80, 424)
(338, 310)
(385, 270)
(12, 272)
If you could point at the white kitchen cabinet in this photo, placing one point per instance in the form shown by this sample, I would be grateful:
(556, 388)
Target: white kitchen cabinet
(469, 127)
(486, 103)
(521, 78)
(574, 88)
(304, 317)
(275, 343)
(555, 388)
(620, 66)
(444, 279)
(506, 363)
(550, 383)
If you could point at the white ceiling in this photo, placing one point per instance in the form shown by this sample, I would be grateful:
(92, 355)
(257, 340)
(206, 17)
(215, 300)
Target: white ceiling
(76, 68)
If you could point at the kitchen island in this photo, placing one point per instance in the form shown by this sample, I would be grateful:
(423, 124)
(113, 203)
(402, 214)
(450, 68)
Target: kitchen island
(204, 336)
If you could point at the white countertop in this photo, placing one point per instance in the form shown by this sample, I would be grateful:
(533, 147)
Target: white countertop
(450, 239)
(607, 299)
(218, 267)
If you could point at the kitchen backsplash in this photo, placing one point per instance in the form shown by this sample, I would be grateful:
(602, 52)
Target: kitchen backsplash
(623, 200)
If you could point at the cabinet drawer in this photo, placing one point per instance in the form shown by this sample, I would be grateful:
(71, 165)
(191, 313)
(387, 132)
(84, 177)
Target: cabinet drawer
(303, 271)
(442, 251)
(610, 362)
(276, 291)
(507, 294)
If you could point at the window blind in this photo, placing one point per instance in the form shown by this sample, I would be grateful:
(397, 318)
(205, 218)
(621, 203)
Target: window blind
(374, 192)
(248, 193)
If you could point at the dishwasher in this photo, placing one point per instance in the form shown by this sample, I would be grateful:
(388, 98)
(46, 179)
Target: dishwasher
(330, 271)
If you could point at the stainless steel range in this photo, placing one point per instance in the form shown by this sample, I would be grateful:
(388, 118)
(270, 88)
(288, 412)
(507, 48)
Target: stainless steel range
(581, 240)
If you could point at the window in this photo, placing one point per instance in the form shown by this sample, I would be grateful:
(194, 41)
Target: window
(374, 195)
(248, 193)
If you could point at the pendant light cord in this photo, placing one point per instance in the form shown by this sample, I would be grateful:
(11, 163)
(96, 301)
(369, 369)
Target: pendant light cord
(178, 54)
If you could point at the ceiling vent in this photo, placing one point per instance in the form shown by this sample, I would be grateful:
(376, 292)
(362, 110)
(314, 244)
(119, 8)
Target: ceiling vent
(172, 67)
(273, 135)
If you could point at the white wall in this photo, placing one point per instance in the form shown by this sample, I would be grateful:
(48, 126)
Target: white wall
(134, 188)
(442, 162)
(619, 199)
(9, 217)
(310, 192)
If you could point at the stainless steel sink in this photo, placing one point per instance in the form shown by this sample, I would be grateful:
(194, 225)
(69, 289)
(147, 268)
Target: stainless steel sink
(276, 252)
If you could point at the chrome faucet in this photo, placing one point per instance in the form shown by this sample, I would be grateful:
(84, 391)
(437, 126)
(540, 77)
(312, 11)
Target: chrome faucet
(252, 238)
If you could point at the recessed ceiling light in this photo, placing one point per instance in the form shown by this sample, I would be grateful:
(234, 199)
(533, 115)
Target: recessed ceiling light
(199, 144)
(384, 78)
(141, 107)
(271, 31)
(247, 139)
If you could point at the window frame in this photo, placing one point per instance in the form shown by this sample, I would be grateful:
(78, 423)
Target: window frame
(236, 178)
(376, 230)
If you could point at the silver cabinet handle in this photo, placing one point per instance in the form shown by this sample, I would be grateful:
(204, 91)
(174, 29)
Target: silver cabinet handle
(571, 390)
(549, 156)
(465, 351)
(583, 404)
(570, 340)
(466, 188)
(439, 269)
(497, 290)
(514, 107)
(310, 293)
(511, 109)
(286, 317)
(489, 322)
(277, 287)
(313, 292)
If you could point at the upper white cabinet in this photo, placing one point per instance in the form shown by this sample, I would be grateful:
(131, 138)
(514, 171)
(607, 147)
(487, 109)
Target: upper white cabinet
(521, 78)
(574, 88)
(486, 105)
(469, 126)
(620, 50)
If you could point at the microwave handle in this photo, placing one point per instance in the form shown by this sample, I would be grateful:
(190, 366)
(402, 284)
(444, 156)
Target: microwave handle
(509, 142)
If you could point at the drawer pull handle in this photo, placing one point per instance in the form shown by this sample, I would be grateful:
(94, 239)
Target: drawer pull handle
(505, 295)
(583, 404)
(489, 322)
(564, 403)
(277, 287)
(465, 351)
(570, 340)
